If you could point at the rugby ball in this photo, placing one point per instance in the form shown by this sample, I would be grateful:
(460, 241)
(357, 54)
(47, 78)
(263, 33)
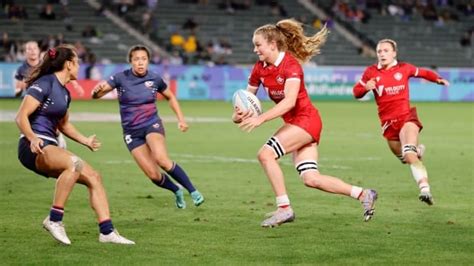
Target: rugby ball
(245, 100)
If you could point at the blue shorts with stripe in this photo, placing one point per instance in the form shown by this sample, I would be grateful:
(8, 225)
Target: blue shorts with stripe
(137, 137)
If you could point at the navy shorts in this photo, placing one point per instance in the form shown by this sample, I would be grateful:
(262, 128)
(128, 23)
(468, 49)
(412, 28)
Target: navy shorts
(28, 158)
(137, 137)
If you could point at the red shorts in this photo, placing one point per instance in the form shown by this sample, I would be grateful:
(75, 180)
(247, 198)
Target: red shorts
(311, 123)
(391, 128)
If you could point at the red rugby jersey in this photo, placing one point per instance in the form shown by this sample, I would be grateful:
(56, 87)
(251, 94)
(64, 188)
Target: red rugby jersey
(273, 78)
(392, 93)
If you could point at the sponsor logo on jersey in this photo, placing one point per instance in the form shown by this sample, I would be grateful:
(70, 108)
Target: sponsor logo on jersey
(36, 87)
(156, 125)
(394, 90)
(277, 94)
(398, 76)
(149, 84)
(280, 79)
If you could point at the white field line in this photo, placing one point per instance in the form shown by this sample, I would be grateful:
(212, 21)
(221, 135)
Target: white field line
(9, 116)
(224, 159)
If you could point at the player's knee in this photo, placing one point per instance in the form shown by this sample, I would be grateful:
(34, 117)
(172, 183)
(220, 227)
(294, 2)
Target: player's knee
(265, 154)
(274, 145)
(409, 153)
(77, 164)
(308, 171)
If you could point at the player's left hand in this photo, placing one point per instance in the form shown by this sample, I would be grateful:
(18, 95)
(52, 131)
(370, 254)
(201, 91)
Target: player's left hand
(443, 82)
(93, 143)
(183, 126)
(250, 123)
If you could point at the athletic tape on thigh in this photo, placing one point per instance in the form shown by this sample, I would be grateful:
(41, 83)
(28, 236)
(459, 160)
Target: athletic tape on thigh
(276, 146)
(409, 148)
(305, 166)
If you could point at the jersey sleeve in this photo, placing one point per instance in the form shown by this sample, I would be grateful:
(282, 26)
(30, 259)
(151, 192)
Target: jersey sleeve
(39, 90)
(254, 79)
(417, 72)
(114, 81)
(160, 84)
(18, 75)
(293, 71)
(359, 88)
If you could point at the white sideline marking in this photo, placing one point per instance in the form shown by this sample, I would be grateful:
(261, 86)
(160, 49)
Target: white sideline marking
(9, 116)
(223, 159)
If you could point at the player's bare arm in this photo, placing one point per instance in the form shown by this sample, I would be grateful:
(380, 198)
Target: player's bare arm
(292, 88)
(173, 102)
(68, 129)
(101, 89)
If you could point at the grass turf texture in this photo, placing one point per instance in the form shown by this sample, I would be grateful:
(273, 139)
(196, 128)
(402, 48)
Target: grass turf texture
(225, 230)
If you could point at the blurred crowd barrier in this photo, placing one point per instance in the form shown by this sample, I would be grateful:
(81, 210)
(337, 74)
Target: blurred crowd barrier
(220, 82)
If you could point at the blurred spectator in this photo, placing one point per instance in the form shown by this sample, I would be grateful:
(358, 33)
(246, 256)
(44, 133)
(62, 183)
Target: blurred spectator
(9, 48)
(92, 72)
(466, 39)
(68, 21)
(17, 12)
(89, 31)
(147, 22)
(190, 45)
(176, 41)
(124, 6)
(47, 12)
(191, 25)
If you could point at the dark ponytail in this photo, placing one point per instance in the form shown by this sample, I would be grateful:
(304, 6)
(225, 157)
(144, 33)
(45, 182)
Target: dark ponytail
(53, 61)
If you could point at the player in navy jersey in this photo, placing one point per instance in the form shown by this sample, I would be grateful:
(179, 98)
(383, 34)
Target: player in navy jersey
(32, 53)
(281, 48)
(143, 129)
(43, 111)
(388, 81)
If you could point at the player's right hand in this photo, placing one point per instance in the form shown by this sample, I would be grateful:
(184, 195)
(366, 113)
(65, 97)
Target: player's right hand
(238, 115)
(370, 85)
(93, 143)
(35, 146)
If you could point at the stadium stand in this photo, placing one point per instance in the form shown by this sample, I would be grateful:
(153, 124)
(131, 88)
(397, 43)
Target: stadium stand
(110, 44)
(216, 23)
(421, 41)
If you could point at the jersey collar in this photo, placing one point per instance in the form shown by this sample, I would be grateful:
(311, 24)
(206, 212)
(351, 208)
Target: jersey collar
(278, 61)
(394, 63)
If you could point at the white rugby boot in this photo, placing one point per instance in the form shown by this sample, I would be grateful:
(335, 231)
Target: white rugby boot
(368, 199)
(115, 238)
(426, 197)
(56, 229)
(280, 216)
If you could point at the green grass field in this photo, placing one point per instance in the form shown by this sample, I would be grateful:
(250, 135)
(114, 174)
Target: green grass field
(221, 161)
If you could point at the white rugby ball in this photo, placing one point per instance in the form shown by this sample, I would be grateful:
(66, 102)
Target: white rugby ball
(245, 100)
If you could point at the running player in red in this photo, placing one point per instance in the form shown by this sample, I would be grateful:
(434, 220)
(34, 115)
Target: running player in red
(388, 80)
(281, 47)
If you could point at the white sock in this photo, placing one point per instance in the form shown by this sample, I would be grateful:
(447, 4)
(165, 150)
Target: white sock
(356, 192)
(282, 201)
(424, 187)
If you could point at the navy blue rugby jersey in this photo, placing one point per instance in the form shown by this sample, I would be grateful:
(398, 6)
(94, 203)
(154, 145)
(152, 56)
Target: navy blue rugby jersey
(23, 71)
(137, 98)
(54, 101)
